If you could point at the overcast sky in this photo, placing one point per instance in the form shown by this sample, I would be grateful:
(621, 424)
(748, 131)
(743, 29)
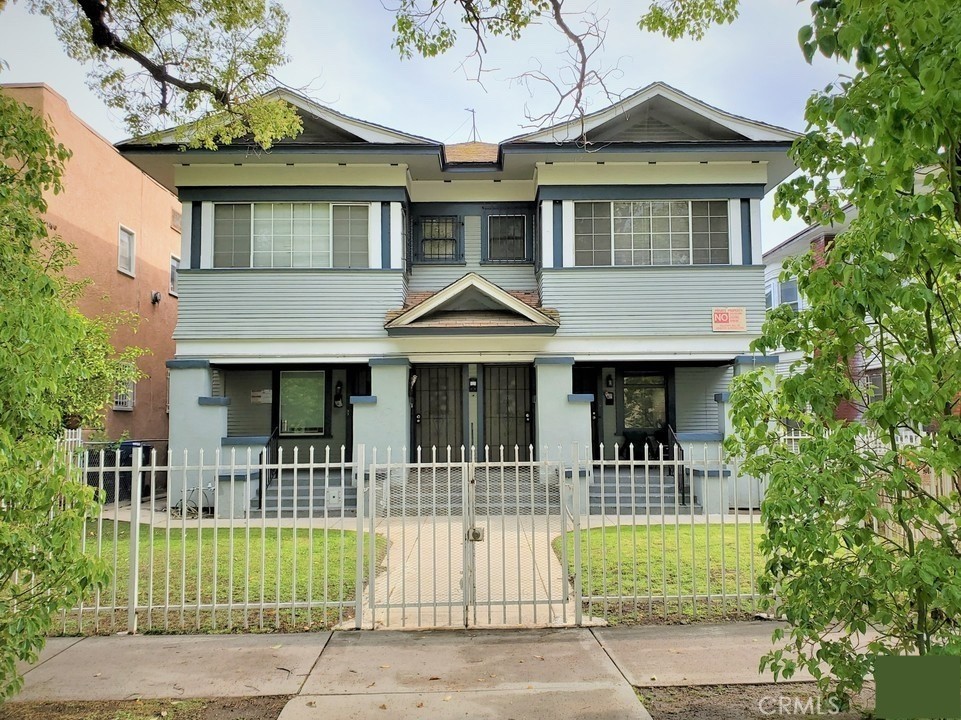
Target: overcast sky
(341, 56)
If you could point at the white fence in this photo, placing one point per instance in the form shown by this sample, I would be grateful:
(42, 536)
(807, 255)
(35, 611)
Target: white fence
(300, 543)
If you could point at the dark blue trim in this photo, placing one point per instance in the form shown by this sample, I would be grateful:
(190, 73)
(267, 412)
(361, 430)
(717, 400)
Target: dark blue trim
(519, 208)
(553, 361)
(722, 397)
(483, 210)
(196, 222)
(700, 437)
(363, 399)
(480, 330)
(292, 193)
(756, 360)
(214, 401)
(385, 236)
(245, 440)
(188, 364)
(580, 398)
(558, 234)
(388, 361)
(649, 192)
(746, 251)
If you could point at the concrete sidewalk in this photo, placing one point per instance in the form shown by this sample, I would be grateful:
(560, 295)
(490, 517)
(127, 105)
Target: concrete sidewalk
(557, 673)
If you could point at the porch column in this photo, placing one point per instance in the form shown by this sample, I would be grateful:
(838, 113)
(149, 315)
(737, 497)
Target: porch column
(382, 419)
(563, 419)
(197, 420)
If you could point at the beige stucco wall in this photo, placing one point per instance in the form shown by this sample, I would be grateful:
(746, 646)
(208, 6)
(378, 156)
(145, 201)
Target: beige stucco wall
(103, 191)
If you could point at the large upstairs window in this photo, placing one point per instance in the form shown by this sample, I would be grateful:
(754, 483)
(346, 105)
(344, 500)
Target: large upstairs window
(290, 235)
(651, 232)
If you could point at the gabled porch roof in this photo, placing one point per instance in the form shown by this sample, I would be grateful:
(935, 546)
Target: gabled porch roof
(472, 305)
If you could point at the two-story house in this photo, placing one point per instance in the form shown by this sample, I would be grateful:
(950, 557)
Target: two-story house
(588, 283)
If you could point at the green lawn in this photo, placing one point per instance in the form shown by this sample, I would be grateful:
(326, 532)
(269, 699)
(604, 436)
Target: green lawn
(198, 566)
(642, 569)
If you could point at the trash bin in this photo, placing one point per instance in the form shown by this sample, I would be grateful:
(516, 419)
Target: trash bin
(115, 474)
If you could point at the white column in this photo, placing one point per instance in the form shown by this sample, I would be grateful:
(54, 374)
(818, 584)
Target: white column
(547, 233)
(373, 236)
(756, 252)
(382, 419)
(396, 236)
(568, 225)
(186, 221)
(207, 235)
(562, 419)
(734, 231)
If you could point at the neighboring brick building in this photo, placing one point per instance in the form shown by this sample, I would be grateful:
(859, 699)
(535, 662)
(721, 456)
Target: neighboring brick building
(125, 227)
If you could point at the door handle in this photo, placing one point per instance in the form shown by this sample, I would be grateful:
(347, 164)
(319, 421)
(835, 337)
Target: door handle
(527, 417)
(417, 418)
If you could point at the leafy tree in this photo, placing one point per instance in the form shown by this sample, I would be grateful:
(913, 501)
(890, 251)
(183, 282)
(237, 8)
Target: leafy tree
(54, 362)
(206, 63)
(862, 528)
(42, 336)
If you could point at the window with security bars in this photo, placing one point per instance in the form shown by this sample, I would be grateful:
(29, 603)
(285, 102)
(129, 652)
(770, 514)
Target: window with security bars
(125, 398)
(507, 238)
(651, 232)
(291, 235)
(438, 239)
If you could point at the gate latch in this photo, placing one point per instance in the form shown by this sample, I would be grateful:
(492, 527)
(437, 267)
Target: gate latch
(475, 534)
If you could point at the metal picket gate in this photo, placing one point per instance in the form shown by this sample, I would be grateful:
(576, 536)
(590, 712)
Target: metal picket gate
(469, 543)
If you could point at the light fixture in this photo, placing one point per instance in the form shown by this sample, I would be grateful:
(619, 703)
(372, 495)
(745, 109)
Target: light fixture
(155, 297)
(339, 394)
(609, 381)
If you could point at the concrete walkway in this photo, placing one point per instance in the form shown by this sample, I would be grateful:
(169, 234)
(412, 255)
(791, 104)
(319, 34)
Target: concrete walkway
(556, 673)
(517, 578)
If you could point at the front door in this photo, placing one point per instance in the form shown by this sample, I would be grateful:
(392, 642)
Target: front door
(444, 405)
(508, 414)
(438, 409)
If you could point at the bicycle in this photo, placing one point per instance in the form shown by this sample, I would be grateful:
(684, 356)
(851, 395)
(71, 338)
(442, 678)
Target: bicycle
(190, 508)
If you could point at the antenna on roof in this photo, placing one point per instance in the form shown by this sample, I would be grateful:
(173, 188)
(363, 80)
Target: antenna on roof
(474, 137)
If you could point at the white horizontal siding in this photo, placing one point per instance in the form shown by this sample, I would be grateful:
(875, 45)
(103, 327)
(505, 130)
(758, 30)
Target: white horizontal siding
(650, 301)
(232, 304)
(697, 410)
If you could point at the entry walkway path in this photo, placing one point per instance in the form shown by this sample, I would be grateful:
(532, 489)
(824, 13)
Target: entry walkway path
(517, 577)
(556, 673)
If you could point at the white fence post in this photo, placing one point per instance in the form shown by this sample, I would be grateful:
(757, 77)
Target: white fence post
(134, 563)
(360, 455)
(576, 529)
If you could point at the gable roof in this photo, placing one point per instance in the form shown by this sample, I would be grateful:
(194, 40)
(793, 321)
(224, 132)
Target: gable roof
(659, 113)
(321, 124)
(473, 303)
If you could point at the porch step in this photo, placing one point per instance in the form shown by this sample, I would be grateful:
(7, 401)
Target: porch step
(302, 512)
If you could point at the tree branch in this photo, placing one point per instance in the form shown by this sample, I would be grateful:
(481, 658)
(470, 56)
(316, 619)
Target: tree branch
(103, 37)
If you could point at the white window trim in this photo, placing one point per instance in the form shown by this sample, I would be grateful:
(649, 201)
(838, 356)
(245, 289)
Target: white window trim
(526, 249)
(127, 400)
(170, 289)
(780, 301)
(690, 234)
(132, 271)
(209, 242)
